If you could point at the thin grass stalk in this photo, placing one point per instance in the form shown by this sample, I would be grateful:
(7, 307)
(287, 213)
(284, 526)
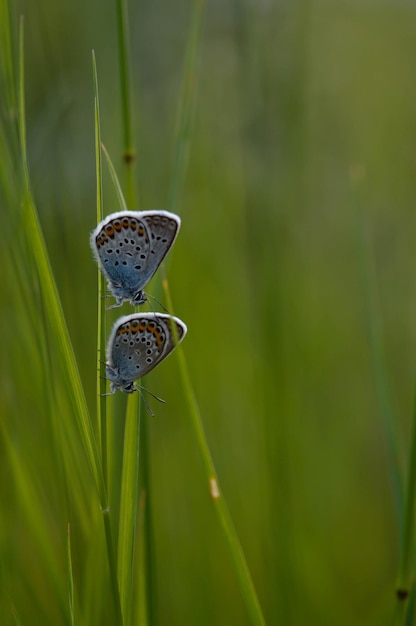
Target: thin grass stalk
(101, 330)
(8, 64)
(373, 322)
(145, 565)
(25, 485)
(52, 302)
(406, 567)
(130, 473)
(129, 505)
(221, 508)
(146, 558)
(187, 105)
(101, 373)
(378, 358)
(16, 617)
(179, 169)
(70, 578)
(129, 155)
(60, 331)
(114, 178)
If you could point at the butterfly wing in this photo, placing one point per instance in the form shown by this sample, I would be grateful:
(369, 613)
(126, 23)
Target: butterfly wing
(162, 228)
(138, 343)
(130, 246)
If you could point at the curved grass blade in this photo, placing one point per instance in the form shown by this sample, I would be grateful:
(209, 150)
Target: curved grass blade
(180, 162)
(220, 505)
(55, 314)
(101, 380)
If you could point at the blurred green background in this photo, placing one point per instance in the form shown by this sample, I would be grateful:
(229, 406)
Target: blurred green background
(297, 241)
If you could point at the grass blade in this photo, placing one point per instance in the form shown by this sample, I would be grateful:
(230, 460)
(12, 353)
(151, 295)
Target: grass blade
(187, 102)
(116, 182)
(221, 508)
(377, 349)
(180, 163)
(127, 113)
(128, 505)
(130, 472)
(101, 335)
(407, 551)
(58, 326)
(130, 469)
(101, 380)
(70, 579)
(51, 298)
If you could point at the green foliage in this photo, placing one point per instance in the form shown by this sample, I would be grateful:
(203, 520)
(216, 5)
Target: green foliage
(283, 135)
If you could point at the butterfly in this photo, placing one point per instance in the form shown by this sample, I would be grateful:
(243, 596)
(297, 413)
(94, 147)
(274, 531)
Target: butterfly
(129, 247)
(138, 342)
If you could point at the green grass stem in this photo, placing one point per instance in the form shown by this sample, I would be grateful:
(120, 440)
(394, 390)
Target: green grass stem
(8, 86)
(130, 473)
(377, 353)
(58, 325)
(51, 297)
(32, 507)
(116, 182)
(101, 380)
(101, 334)
(129, 505)
(212, 485)
(186, 109)
(70, 579)
(187, 104)
(129, 154)
(407, 552)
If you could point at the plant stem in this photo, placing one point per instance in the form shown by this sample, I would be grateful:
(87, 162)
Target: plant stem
(58, 325)
(408, 531)
(220, 505)
(187, 102)
(129, 154)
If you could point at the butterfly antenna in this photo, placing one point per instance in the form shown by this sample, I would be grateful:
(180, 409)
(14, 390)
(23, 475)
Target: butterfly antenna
(152, 394)
(149, 297)
(149, 410)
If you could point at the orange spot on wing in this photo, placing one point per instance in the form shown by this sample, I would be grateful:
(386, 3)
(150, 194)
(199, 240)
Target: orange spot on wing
(156, 334)
(123, 330)
(100, 240)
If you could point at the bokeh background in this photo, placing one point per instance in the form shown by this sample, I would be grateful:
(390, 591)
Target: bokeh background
(296, 248)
